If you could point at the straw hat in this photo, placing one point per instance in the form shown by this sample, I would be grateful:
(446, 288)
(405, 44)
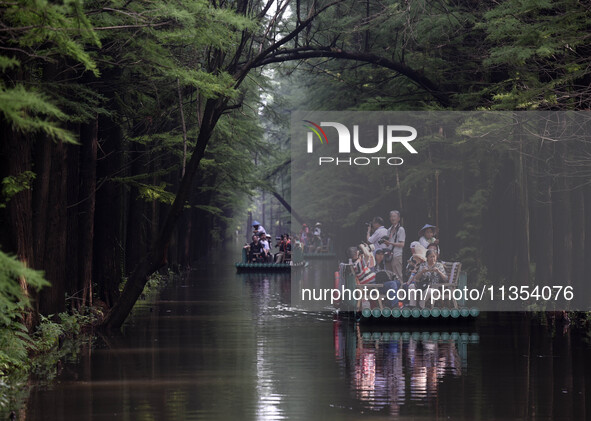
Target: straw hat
(422, 230)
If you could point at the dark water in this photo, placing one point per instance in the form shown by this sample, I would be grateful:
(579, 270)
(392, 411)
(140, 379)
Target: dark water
(223, 346)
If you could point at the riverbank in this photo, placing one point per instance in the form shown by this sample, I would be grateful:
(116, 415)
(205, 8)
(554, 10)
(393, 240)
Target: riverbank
(54, 342)
(32, 359)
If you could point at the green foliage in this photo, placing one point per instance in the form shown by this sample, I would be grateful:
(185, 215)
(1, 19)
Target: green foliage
(28, 112)
(14, 386)
(14, 339)
(14, 184)
(40, 32)
(12, 298)
(56, 28)
(52, 329)
(542, 47)
(16, 344)
(150, 193)
(48, 334)
(8, 62)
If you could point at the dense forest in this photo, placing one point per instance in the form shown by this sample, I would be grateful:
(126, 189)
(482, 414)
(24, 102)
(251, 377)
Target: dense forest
(135, 133)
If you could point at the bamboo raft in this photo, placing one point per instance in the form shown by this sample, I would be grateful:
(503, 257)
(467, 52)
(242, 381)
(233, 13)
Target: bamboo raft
(449, 310)
(416, 314)
(297, 262)
(269, 267)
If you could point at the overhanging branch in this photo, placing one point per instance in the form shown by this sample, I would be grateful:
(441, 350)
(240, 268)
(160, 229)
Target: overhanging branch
(304, 53)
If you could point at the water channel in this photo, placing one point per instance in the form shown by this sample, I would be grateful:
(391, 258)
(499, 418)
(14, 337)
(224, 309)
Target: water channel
(225, 346)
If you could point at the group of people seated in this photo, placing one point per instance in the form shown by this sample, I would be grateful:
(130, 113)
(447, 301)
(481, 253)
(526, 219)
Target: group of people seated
(259, 250)
(379, 259)
(314, 241)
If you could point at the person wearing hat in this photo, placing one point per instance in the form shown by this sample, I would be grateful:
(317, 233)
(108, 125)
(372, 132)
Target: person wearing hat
(428, 235)
(257, 228)
(316, 243)
(318, 229)
(418, 256)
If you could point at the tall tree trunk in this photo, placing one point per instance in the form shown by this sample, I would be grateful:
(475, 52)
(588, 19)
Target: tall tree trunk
(155, 206)
(543, 232)
(157, 255)
(52, 300)
(500, 220)
(107, 234)
(522, 271)
(73, 282)
(186, 262)
(577, 239)
(42, 158)
(137, 226)
(560, 219)
(264, 220)
(88, 151)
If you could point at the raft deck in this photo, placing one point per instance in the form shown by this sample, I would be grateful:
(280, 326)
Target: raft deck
(295, 263)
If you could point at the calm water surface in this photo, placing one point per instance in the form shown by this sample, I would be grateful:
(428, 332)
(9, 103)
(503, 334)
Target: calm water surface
(227, 346)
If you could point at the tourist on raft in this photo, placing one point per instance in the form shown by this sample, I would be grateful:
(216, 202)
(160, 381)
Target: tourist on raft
(361, 268)
(284, 246)
(380, 262)
(377, 233)
(395, 244)
(316, 242)
(412, 265)
(304, 237)
(385, 277)
(428, 235)
(255, 250)
(429, 273)
(258, 229)
(418, 256)
(366, 254)
(266, 248)
(435, 248)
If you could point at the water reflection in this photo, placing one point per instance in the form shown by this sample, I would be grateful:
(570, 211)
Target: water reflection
(387, 369)
(223, 346)
(268, 291)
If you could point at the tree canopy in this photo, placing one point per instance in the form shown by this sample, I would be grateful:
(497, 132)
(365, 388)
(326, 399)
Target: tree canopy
(119, 115)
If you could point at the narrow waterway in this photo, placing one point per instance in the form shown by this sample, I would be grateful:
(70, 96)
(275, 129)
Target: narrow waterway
(225, 346)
